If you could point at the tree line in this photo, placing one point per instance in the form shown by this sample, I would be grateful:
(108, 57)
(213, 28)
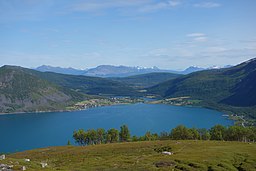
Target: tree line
(217, 132)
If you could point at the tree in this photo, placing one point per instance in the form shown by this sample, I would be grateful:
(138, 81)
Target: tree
(91, 137)
(204, 134)
(135, 138)
(79, 137)
(194, 134)
(217, 132)
(164, 135)
(69, 143)
(238, 133)
(251, 134)
(154, 136)
(124, 134)
(181, 133)
(148, 136)
(112, 135)
(100, 135)
(233, 133)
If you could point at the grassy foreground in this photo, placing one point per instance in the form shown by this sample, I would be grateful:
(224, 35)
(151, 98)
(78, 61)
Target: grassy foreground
(188, 155)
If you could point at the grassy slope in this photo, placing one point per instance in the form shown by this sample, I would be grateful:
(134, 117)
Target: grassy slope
(188, 155)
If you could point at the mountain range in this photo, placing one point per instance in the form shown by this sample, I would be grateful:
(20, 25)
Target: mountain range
(70, 71)
(115, 71)
(230, 89)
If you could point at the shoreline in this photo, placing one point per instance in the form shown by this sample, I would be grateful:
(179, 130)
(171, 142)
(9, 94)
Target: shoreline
(15, 113)
(37, 112)
(87, 104)
(224, 113)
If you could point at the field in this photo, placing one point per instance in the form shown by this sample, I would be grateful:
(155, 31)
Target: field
(188, 155)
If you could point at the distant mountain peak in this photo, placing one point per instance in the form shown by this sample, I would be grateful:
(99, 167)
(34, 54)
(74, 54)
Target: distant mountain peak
(69, 70)
(250, 60)
(214, 67)
(119, 71)
(192, 69)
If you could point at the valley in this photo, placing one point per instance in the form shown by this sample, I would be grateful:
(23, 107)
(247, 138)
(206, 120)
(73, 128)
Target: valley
(127, 85)
(230, 90)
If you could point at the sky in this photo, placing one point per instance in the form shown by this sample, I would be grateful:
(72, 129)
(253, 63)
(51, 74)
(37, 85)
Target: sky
(169, 34)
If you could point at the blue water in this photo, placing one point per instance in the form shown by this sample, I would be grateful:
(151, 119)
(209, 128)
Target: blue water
(20, 132)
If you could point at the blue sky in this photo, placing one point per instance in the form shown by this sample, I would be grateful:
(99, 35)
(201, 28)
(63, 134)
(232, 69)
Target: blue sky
(169, 34)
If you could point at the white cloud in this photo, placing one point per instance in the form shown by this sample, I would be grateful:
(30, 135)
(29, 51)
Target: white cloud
(216, 49)
(207, 5)
(200, 39)
(174, 3)
(142, 6)
(249, 44)
(96, 5)
(159, 6)
(195, 35)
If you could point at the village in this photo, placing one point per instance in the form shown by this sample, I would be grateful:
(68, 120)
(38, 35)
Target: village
(177, 101)
(97, 102)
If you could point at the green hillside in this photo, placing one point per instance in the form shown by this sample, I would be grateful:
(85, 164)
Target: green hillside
(146, 80)
(187, 155)
(88, 85)
(231, 89)
(22, 91)
(26, 90)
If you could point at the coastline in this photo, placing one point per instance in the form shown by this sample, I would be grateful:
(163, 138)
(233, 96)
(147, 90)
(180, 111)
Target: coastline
(15, 113)
(225, 114)
(67, 110)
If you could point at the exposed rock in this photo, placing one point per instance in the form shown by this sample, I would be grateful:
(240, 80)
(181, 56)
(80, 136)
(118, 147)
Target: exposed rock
(27, 160)
(164, 164)
(44, 164)
(167, 153)
(5, 167)
(23, 168)
(2, 157)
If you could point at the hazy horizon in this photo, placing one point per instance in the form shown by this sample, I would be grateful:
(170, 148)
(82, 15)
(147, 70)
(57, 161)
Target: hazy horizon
(180, 69)
(168, 34)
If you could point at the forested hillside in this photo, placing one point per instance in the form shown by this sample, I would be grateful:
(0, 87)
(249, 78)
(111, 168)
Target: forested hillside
(22, 91)
(231, 88)
(146, 80)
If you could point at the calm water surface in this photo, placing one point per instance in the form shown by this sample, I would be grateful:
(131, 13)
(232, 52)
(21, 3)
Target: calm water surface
(20, 132)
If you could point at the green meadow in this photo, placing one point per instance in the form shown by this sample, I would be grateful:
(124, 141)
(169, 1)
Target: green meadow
(190, 155)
